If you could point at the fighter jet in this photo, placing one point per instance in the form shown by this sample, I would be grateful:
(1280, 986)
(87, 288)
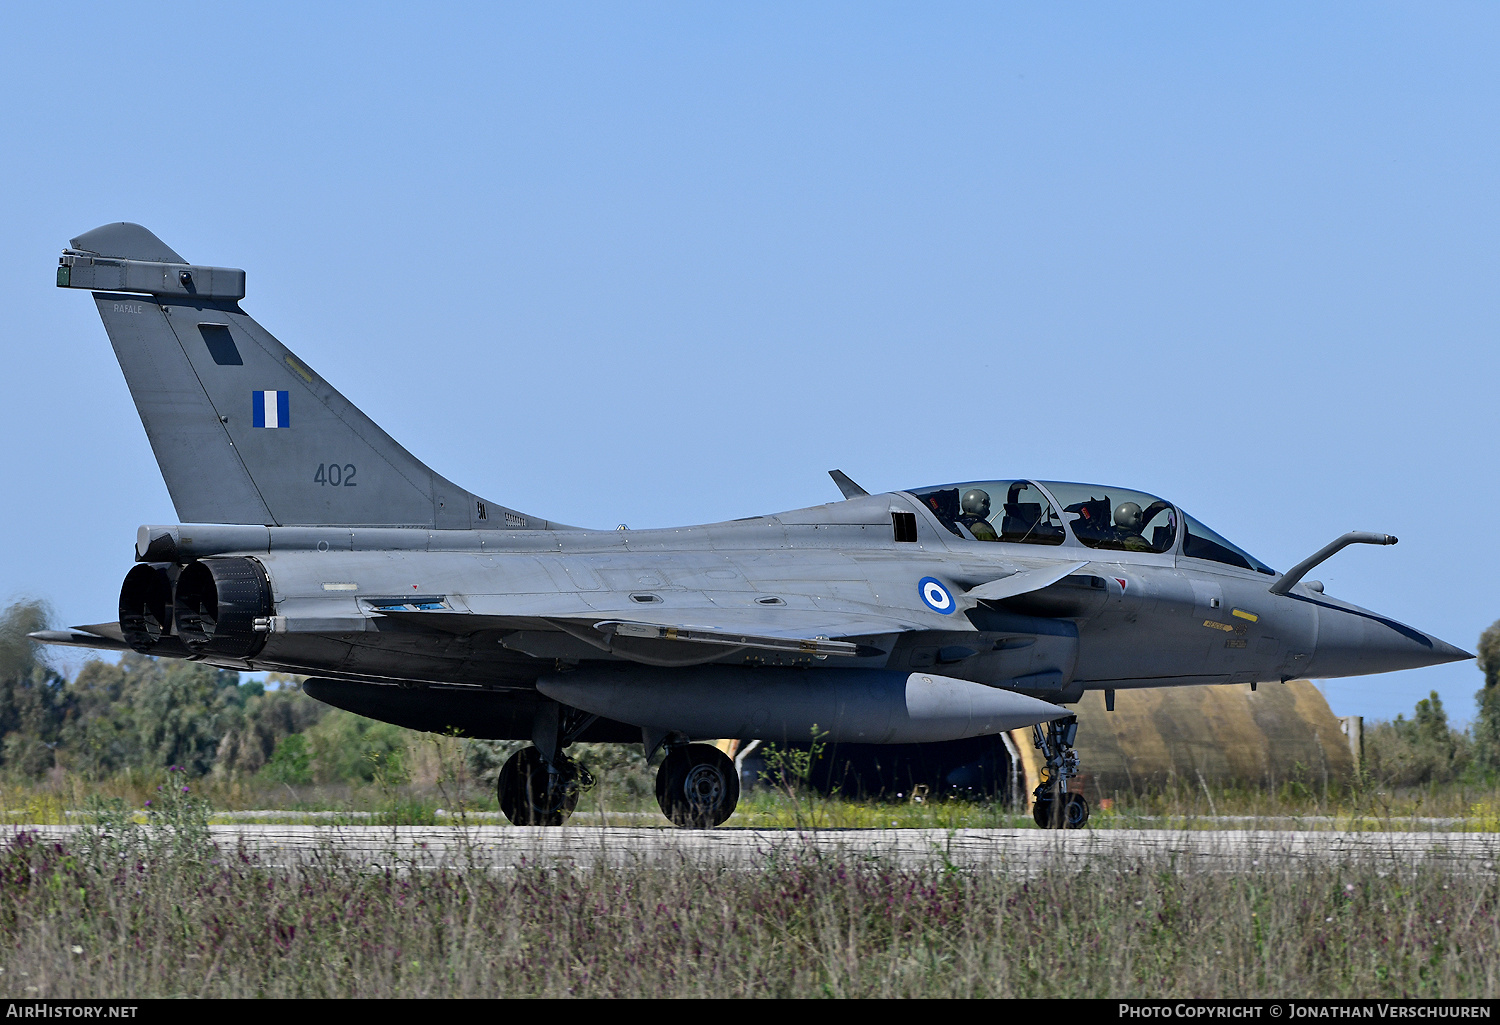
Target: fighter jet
(312, 543)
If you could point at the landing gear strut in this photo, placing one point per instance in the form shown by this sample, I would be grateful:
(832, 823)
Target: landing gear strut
(534, 793)
(540, 785)
(697, 786)
(1053, 807)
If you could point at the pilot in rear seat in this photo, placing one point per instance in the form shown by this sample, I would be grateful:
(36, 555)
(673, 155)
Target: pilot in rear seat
(975, 514)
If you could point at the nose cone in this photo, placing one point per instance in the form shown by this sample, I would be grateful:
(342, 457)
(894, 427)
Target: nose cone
(1356, 642)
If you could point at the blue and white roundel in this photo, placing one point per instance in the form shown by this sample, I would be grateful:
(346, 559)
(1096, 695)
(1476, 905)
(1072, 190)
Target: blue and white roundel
(936, 596)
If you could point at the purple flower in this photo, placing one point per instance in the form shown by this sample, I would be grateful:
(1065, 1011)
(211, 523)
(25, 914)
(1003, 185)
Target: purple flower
(148, 803)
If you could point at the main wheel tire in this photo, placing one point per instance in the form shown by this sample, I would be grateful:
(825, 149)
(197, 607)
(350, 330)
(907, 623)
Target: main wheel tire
(1041, 813)
(697, 786)
(532, 796)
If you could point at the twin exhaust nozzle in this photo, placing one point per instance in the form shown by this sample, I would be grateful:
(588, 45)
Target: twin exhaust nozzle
(213, 607)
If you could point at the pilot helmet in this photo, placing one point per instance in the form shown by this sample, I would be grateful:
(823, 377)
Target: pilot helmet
(976, 503)
(1128, 516)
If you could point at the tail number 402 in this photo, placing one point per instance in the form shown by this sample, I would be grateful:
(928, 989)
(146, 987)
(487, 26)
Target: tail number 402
(335, 475)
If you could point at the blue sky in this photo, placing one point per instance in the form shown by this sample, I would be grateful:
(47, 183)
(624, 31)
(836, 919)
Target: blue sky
(661, 264)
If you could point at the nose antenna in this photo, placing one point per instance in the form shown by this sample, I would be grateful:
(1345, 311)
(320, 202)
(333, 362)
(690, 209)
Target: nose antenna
(1290, 578)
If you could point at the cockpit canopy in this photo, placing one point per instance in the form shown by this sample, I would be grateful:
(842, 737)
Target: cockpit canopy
(1000, 510)
(1115, 519)
(1106, 518)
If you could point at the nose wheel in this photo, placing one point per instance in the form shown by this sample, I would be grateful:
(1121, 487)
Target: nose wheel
(1072, 812)
(697, 786)
(1053, 806)
(533, 793)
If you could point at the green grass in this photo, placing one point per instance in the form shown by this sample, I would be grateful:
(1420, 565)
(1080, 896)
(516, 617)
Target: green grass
(133, 912)
(624, 796)
(142, 903)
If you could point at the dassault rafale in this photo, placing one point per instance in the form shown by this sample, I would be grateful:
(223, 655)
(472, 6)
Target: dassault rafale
(310, 542)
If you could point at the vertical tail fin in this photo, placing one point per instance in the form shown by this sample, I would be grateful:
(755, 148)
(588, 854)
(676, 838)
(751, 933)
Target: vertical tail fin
(243, 430)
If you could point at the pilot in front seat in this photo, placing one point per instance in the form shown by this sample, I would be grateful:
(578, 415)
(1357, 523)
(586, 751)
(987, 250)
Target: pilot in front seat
(974, 514)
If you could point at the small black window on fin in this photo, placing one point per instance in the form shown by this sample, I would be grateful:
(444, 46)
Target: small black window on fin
(220, 345)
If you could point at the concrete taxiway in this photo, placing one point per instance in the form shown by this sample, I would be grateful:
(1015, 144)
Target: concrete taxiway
(1014, 850)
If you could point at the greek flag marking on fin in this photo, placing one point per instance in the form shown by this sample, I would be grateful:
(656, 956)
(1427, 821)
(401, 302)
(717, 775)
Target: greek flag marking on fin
(271, 408)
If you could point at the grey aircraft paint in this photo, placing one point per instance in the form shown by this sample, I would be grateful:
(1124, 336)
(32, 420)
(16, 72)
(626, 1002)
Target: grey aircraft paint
(312, 543)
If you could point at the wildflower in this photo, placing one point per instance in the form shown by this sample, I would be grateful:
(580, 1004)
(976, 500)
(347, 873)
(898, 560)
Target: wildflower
(75, 948)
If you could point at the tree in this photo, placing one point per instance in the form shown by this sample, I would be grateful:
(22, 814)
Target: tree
(32, 698)
(149, 713)
(291, 762)
(1487, 724)
(99, 739)
(180, 713)
(1417, 751)
(348, 748)
(1431, 725)
(146, 713)
(256, 732)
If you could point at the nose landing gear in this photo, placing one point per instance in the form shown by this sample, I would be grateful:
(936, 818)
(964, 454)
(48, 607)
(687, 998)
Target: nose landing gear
(1054, 807)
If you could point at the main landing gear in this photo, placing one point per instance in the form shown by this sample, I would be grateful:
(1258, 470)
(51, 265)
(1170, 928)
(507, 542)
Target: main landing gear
(1053, 806)
(536, 793)
(540, 785)
(697, 786)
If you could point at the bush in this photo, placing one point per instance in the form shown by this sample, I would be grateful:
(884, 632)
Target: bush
(1418, 751)
(348, 748)
(291, 763)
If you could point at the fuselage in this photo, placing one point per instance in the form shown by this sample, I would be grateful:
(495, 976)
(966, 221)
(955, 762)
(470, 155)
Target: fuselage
(350, 602)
